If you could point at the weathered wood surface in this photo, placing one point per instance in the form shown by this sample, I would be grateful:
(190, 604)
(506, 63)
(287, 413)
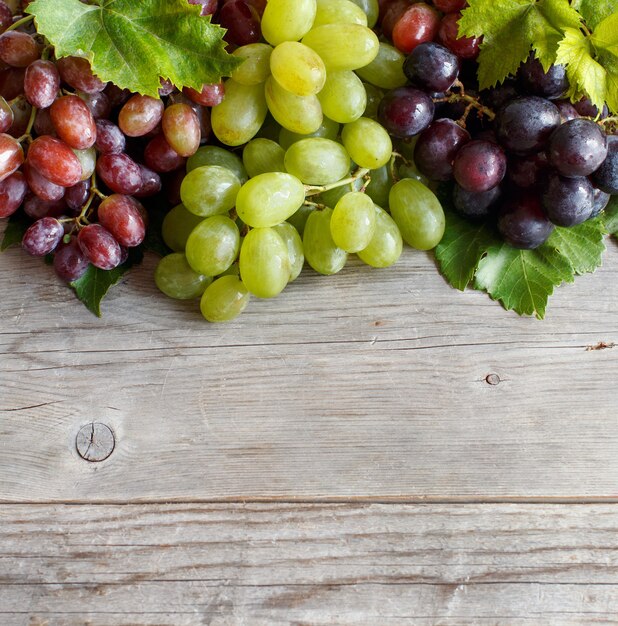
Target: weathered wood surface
(257, 565)
(367, 384)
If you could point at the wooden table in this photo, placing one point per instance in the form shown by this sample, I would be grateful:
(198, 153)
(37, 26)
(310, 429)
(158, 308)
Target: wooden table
(371, 448)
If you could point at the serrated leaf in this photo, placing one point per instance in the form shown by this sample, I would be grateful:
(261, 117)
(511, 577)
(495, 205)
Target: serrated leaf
(93, 286)
(595, 11)
(582, 245)
(15, 228)
(605, 42)
(133, 43)
(610, 216)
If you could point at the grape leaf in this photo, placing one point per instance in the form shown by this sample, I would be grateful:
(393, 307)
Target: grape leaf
(15, 228)
(605, 42)
(134, 43)
(92, 287)
(595, 11)
(611, 216)
(582, 245)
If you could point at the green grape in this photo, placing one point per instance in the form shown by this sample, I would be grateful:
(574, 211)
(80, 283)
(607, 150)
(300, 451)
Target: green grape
(213, 245)
(263, 155)
(299, 114)
(367, 142)
(386, 244)
(406, 147)
(328, 129)
(177, 226)
(371, 9)
(284, 20)
(233, 270)
(269, 199)
(343, 98)
(241, 114)
(214, 155)
(374, 97)
(264, 263)
(332, 196)
(418, 214)
(177, 279)
(209, 190)
(297, 68)
(317, 161)
(386, 70)
(321, 251)
(294, 244)
(225, 299)
(299, 219)
(353, 222)
(380, 185)
(255, 68)
(270, 129)
(87, 159)
(339, 11)
(408, 170)
(343, 46)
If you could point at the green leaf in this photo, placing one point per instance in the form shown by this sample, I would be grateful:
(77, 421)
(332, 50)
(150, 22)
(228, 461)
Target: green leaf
(610, 216)
(605, 42)
(92, 287)
(583, 245)
(595, 11)
(133, 43)
(15, 228)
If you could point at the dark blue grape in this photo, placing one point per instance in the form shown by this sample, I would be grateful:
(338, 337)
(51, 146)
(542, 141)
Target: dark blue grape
(437, 147)
(475, 206)
(534, 80)
(568, 201)
(522, 222)
(405, 112)
(606, 177)
(577, 148)
(479, 166)
(431, 67)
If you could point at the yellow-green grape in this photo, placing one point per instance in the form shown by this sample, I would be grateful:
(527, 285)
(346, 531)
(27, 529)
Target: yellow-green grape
(224, 300)
(343, 97)
(255, 68)
(294, 243)
(299, 114)
(264, 263)
(209, 190)
(284, 20)
(297, 68)
(332, 196)
(386, 70)
(317, 161)
(213, 245)
(374, 97)
(380, 185)
(339, 11)
(214, 155)
(343, 46)
(88, 160)
(177, 279)
(263, 155)
(299, 219)
(269, 199)
(177, 226)
(409, 170)
(353, 222)
(321, 252)
(367, 142)
(329, 129)
(371, 9)
(270, 129)
(239, 117)
(418, 213)
(386, 244)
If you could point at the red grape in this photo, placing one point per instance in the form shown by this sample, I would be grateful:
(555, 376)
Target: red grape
(43, 236)
(479, 166)
(36, 208)
(418, 24)
(21, 116)
(77, 195)
(74, 122)
(450, 6)
(39, 185)
(121, 216)
(55, 160)
(181, 128)
(43, 124)
(140, 115)
(12, 193)
(151, 183)
(18, 49)
(120, 173)
(161, 157)
(6, 115)
(98, 103)
(99, 246)
(448, 35)
(76, 72)
(41, 84)
(11, 155)
(242, 22)
(209, 96)
(70, 262)
(12, 82)
(6, 16)
(110, 139)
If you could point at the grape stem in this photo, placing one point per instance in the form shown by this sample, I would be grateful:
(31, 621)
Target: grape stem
(311, 190)
(21, 22)
(473, 103)
(315, 205)
(27, 136)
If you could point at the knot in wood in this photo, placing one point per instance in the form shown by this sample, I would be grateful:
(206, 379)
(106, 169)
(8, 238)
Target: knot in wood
(95, 442)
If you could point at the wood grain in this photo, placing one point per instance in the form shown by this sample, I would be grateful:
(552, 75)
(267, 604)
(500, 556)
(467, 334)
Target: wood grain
(311, 564)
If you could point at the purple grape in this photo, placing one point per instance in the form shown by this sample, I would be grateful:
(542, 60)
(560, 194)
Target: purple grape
(405, 112)
(99, 246)
(496, 97)
(437, 147)
(479, 166)
(568, 201)
(567, 111)
(70, 262)
(577, 148)
(601, 200)
(475, 205)
(77, 195)
(13, 190)
(120, 173)
(110, 139)
(586, 109)
(43, 236)
(529, 171)
(522, 222)
(431, 67)
(36, 208)
(606, 176)
(534, 80)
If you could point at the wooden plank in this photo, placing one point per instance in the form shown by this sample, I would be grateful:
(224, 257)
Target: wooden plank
(308, 564)
(367, 384)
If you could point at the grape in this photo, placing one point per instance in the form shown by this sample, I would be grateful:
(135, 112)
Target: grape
(405, 112)
(43, 236)
(12, 82)
(367, 143)
(6, 115)
(241, 114)
(386, 70)
(210, 94)
(450, 6)
(475, 206)
(11, 156)
(374, 96)
(522, 222)
(39, 185)
(13, 190)
(437, 147)
(73, 122)
(299, 114)
(225, 299)
(294, 244)
(524, 125)
(496, 97)
(332, 196)
(299, 219)
(568, 201)
(338, 12)
(269, 199)
(371, 10)
(161, 157)
(317, 161)
(181, 128)
(18, 49)
(99, 246)
(448, 36)
(418, 24)
(380, 185)
(600, 201)
(87, 160)
(386, 244)
(36, 208)
(255, 68)
(55, 161)
(213, 245)
(586, 109)
(321, 252)
(209, 190)
(263, 155)
(22, 110)
(418, 214)
(121, 216)
(528, 171)
(343, 46)
(567, 110)
(6, 16)
(390, 12)
(140, 115)
(534, 80)
(70, 263)
(177, 226)
(479, 166)
(120, 173)
(98, 103)
(329, 129)
(43, 124)
(343, 98)
(76, 72)
(241, 21)
(41, 84)
(577, 148)
(151, 183)
(353, 222)
(264, 262)
(606, 176)
(116, 96)
(110, 139)
(431, 67)
(214, 155)
(176, 279)
(297, 68)
(77, 195)
(287, 21)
